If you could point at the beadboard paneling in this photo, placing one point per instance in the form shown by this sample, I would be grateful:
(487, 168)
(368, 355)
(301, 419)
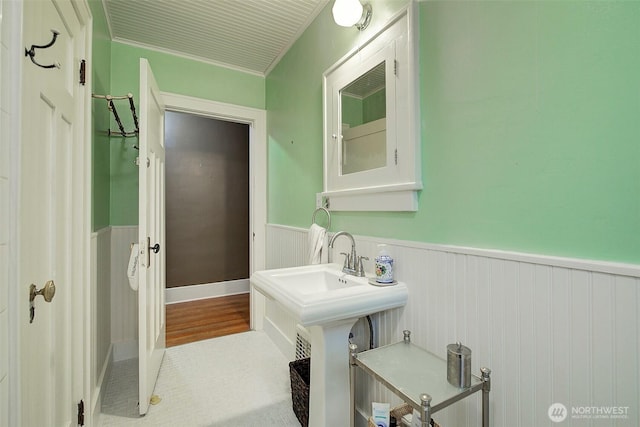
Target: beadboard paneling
(248, 35)
(124, 300)
(286, 246)
(551, 329)
(100, 312)
(101, 260)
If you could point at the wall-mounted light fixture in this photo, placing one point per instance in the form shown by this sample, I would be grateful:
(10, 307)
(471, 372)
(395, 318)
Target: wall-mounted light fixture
(348, 13)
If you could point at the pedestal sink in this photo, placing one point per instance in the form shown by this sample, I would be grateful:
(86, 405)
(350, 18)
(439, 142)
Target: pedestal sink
(328, 302)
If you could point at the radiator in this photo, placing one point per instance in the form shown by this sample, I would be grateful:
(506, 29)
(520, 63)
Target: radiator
(303, 342)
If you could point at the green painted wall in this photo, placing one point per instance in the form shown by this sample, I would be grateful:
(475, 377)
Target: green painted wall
(374, 106)
(358, 111)
(101, 84)
(173, 74)
(529, 128)
(351, 110)
(531, 140)
(294, 115)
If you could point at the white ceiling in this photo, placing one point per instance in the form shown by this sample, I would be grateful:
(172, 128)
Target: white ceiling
(368, 83)
(247, 35)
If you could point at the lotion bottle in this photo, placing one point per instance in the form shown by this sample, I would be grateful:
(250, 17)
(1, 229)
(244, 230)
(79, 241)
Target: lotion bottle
(384, 265)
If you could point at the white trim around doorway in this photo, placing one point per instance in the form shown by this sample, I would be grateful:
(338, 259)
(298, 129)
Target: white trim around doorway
(257, 121)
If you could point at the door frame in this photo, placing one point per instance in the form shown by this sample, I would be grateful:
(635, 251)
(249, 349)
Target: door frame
(81, 229)
(257, 121)
(12, 12)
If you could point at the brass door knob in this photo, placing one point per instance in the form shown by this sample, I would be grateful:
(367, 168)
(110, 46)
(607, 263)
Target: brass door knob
(48, 291)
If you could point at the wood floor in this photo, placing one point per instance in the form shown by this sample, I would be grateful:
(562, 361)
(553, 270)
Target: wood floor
(208, 318)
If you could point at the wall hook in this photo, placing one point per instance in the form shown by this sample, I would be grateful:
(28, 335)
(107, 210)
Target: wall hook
(31, 53)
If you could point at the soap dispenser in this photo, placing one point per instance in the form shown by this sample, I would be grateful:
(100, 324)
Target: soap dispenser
(384, 265)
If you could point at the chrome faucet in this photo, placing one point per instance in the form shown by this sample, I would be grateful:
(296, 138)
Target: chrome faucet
(352, 262)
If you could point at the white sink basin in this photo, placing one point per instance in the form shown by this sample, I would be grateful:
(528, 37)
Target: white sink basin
(322, 293)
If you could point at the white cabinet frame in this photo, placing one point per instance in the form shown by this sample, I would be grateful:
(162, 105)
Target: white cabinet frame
(395, 186)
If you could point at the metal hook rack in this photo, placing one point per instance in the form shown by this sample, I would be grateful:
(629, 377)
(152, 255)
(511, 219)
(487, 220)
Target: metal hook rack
(112, 107)
(31, 52)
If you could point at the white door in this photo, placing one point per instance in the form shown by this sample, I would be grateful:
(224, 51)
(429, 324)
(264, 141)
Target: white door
(151, 287)
(52, 216)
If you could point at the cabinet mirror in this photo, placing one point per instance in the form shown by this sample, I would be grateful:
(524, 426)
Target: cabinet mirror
(363, 110)
(371, 152)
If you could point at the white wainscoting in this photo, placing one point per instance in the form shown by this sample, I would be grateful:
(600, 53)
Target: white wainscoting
(124, 300)
(101, 277)
(286, 247)
(551, 329)
(100, 314)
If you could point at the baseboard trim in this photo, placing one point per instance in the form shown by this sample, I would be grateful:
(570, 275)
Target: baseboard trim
(125, 350)
(280, 339)
(206, 290)
(362, 420)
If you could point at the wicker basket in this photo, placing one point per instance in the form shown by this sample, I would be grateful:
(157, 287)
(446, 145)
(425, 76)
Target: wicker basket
(299, 371)
(398, 412)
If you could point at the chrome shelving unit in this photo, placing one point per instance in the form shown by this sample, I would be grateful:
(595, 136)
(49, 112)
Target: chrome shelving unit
(417, 376)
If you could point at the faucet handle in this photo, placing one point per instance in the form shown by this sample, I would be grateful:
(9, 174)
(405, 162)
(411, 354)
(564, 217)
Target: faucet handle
(347, 259)
(360, 267)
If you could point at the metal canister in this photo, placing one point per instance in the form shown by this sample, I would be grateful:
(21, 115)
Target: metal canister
(459, 365)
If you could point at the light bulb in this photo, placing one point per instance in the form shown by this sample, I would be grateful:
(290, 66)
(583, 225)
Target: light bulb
(347, 13)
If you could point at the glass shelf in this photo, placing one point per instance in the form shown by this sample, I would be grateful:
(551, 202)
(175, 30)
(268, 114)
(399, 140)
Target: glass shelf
(411, 372)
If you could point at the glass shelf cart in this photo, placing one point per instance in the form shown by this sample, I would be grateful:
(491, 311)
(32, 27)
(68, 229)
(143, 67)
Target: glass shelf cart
(417, 376)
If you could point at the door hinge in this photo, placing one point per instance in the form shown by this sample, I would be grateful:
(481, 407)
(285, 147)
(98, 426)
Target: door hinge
(83, 71)
(138, 161)
(396, 156)
(81, 413)
(395, 67)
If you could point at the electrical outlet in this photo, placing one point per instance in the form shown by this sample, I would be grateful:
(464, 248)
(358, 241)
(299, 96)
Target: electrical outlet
(318, 200)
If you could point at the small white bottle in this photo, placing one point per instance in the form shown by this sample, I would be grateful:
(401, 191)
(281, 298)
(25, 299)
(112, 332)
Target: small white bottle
(384, 265)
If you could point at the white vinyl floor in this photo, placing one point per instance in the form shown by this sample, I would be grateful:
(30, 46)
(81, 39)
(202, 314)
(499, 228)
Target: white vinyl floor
(237, 380)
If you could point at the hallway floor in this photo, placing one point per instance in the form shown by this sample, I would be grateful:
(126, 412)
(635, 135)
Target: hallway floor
(237, 380)
(207, 318)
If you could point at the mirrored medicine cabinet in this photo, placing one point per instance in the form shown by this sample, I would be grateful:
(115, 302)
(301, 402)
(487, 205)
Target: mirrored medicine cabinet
(371, 133)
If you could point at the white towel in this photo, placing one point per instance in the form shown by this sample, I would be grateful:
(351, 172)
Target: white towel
(132, 268)
(316, 238)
